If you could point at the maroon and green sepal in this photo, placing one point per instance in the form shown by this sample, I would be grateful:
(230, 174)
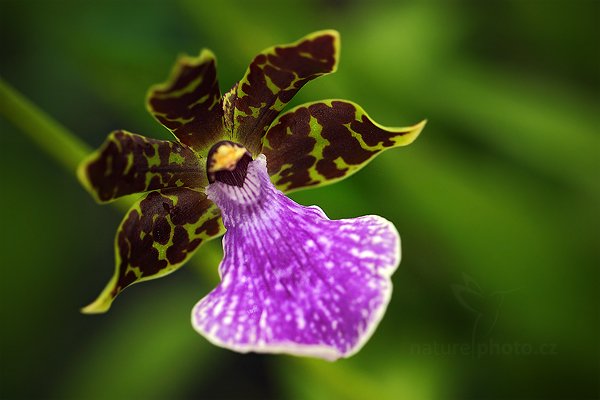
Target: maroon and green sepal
(322, 142)
(189, 102)
(127, 163)
(158, 235)
(272, 79)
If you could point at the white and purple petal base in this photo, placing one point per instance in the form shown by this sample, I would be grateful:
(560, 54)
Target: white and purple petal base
(292, 280)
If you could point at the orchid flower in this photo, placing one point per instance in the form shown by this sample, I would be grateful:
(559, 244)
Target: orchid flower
(292, 280)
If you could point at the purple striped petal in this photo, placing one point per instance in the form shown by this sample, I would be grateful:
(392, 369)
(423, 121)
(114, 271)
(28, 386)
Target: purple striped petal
(294, 281)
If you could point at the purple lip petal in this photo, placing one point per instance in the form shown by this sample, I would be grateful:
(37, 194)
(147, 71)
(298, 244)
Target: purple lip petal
(294, 281)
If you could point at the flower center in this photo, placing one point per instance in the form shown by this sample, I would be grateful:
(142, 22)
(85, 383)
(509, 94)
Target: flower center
(227, 162)
(236, 201)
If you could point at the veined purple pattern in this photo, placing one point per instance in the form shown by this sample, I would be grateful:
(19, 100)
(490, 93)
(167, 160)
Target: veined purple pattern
(292, 280)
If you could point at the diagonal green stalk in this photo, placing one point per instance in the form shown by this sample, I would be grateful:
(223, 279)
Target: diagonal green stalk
(48, 134)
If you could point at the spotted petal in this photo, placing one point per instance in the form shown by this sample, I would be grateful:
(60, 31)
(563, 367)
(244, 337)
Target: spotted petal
(322, 142)
(127, 163)
(294, 281)
(188, 104)
(272, 79)
(159, 234)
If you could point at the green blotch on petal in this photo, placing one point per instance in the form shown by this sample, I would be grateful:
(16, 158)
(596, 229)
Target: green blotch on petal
(175, 158)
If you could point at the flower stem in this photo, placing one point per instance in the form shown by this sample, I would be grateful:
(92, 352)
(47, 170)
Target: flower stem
(49, 135)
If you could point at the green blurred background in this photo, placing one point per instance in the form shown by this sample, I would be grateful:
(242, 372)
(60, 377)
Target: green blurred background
(496, 202)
